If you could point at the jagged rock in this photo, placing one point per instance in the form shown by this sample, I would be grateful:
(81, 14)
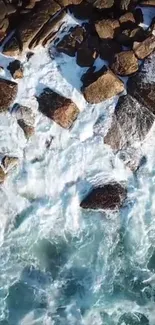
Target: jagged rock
(125, 63)
(15, 69)
(127, 20)
(145, 48)
(65, 3)
(109, 196)
(9, 162)
(107, 28)
(8, 92)
(99, 86)
(58, 108)
(2, 175)
(135, 34)
(27, 129)
(71, 42)
(130, 124)
(108, 48)
(102, 4)
(146, 3)
(142, 85)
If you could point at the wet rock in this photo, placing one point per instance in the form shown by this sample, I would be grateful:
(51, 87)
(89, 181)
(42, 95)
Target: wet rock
(125, 63)
(135, 318)
(127, 127)
(16, 69)
(58, 108)
(65, 3)
(99, 87)
(109, 196)
(71, 42)
(145, 48)
(8, 92)
(27, 129)
(4, 24)
(11, 47)
(146, 3)
(9, 162)
(108, 49)
(29, 55)
(107, 28)
(126, 5)
(102, 4)
(2, 175)
(138, 14)
(87, 52)
(127, 20)
(82, 11)
(135, 34)
(142, 85)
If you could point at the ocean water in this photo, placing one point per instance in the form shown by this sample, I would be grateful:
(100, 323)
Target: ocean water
(61, 265)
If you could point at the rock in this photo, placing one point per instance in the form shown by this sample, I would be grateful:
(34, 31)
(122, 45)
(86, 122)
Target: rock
(58, 108)
(107, 28)
(87, 52)
(125, 63)
(135, 34)
(24, 113)
(4, 24)
(71, 42)
(3, 11)
(11, 47)
(2, 175)
(65, 3)
(151, 263)
(109, 196)
(145, 48)
(108, 48)
(29, 55)
(138, 14)
(27, 129)
(127, 20)
(102, 4)
(146, 3)
(135, 318)
(9, 162)
(130, 124)
(82, 11)
(126, 5)
(8, 92)
(142, 85)
(99, 88)
(15, 69)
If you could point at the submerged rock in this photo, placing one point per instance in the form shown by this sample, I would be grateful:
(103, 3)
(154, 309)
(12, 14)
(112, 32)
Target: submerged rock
(109, 196)
(125, 63)
(58, 108)
(8, 92)
(16, 69)
(102, 85)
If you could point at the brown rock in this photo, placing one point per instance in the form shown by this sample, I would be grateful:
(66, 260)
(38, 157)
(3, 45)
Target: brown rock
(71, 42)
(100, 89)
(108, 48)
(107, 197)
(107, 28)
(146, 3)
(145, 48)
(152, 26)
(135, 34)
(65, 3)
(3, 10)
(126, 5)
(11, 47)
(127, 20)
(27, 129)
(8, 92)
(125, 63)
(2, 175)
(102, 4)
(9, 162)
(3, 28)
(15, 69)
(58, 108)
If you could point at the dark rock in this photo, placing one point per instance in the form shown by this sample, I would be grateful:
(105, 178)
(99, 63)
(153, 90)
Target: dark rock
(107, 28)
(16, 69)
(146, 3)
(145, 48)
(134, 34)
(127, 20)
(99, 88)
(71, 42)
(29, 55)
(138, 14)
(108, 49)
(8, 92)
(3, 11)
(109, 196)
(142, 85)
(87, 52)
(102, 4)
(58, 108)
(130, 124)
(125, 63)
(82, 11)
(133, 319)
(12, 47)
(4, 24)
(65, 3)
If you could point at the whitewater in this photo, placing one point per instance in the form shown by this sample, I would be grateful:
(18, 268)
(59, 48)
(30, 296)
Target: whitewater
(61, 265)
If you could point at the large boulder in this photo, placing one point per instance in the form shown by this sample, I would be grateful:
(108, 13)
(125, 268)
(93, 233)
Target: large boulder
(107, 28)
(142, 85)
(145, 48)
(8, 92)
(97, 87)
(109, 196)
(130, 124)
(102, 4)
(72, 41)
(58, 108)
(125, 63)
(16, 69)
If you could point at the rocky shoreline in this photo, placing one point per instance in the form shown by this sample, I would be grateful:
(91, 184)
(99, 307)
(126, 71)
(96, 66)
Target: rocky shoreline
(110, 30)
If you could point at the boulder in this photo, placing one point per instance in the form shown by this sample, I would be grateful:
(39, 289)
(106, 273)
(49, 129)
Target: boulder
(133, 34)
(65, 3)
(145, 48)
(108, 48)
(2, 175)
(125, 63)
(4, 24)
(58, 108)
(130, 124)
(82, 11)
(126, 5)
(11, 47)
(72, 41)
(3, 11)
(16, 69)
(25, 119)
(98, 87)
(107, 197)
(102, 4)
(142, 85)
(9, 162)
(88, 51)
(107, 28)
(127, 20)
(27, 129)
(8, 92)
(146, 3)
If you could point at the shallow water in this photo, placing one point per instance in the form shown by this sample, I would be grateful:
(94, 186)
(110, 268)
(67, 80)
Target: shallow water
(61, 265)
